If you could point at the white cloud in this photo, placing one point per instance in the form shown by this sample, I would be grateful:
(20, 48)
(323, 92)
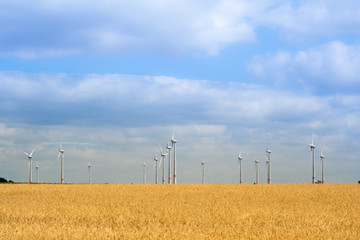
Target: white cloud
(333, 66)
(332, 63)
(94, 99)
(301, 20)
(168, 27)
(60, 28)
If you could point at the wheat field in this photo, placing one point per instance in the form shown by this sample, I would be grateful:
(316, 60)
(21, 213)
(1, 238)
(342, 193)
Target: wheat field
(190, 211)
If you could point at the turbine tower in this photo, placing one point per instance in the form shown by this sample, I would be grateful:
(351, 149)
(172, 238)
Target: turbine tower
(37, 173)
(61, 155)
(173, 141)
(163, 155)
(312, 148)
(30, 164)
(257, 171)
(240, 159)
(144, 172)
(322, 157)
(203, 171)
(156, 170)
(268, 162)
(89, 170)
(168, 147)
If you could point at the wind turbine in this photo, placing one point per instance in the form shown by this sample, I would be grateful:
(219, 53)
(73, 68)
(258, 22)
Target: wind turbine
(163, 155)
(156, 170)
(61, 155)
(168, 147)
(257, 170)
(173, 141)
(30, 164)
(37, 173)
(268, 162)
(90, 176)
(322, 157)
(203, 171)
(312, 148)
(144, 172)
(240, 158)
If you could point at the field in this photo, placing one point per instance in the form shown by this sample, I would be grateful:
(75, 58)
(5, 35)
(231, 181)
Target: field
(210, 211)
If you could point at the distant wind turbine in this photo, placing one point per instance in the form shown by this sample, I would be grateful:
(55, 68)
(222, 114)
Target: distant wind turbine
(203, 171)
(156, 160)
(37, 173)
(322, 157)
(268, 162)
(168, 147)
(90, 175)
(61, 155)
(144, 172)
(173, 141)
(257, 171)
(30, 164)
(312, 148)
(240, 159)
(163, 155)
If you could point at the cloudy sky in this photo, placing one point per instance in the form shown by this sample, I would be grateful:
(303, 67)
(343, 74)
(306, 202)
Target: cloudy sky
(112, 79)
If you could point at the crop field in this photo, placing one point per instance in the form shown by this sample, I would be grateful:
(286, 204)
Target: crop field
(190, 211)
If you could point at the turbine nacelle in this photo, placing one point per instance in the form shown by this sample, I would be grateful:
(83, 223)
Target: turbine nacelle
(240, 157)
(312, 145)
(202, 163)
(173, 140)
(161, 152)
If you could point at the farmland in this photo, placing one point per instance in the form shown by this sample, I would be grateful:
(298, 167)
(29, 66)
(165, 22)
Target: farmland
(190, 211)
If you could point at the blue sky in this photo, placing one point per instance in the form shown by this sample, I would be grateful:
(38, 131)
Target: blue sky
(112, 79)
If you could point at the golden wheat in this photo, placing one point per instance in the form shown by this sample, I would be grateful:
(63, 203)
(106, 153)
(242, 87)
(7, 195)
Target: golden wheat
(219, 211)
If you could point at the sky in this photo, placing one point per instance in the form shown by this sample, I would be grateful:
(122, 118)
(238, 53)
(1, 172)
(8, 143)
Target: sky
(113, 80)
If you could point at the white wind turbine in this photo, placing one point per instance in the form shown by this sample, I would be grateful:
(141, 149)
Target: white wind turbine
(156, 160)
(163, 155)
(90, 175)
(61, 155)
(203, 171)
(257, 171)
(240, 159)
(268, 162)
(322, 157)
(144, 172)
(173, 141)
(37, 173)
(312, 148)
(30, 164)
(168, 147)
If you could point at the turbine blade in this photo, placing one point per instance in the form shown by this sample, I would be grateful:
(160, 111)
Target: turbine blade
(57, 159)
(32, 152)
(312, 140)
(26, 154)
